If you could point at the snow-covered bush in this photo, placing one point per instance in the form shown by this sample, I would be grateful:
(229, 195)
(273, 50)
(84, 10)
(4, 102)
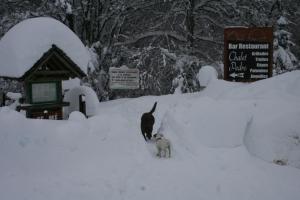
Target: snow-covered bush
(76, 116)
(284, 60)
(206, 74)
(89, 97)
(10, 86)
(164, 71)
(186, 80)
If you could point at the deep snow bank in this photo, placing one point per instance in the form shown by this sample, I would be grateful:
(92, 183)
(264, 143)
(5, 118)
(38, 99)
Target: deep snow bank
(274, 131)
(273, 136)
(209, 122)
(105, 156)
(283, 87)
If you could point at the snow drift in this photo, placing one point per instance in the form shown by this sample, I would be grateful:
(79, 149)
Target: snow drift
(90, 98)
(224, 141)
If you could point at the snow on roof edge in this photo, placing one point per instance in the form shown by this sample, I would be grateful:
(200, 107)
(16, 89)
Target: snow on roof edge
(25, 43)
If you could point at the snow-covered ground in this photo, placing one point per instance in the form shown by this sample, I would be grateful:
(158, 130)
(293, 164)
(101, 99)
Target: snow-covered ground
(225, 141)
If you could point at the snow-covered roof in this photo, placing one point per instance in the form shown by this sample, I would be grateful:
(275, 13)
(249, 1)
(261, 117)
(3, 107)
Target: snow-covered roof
(25, 43)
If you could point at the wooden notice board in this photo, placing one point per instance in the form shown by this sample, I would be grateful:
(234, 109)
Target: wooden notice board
(248, 53)
(124, 78)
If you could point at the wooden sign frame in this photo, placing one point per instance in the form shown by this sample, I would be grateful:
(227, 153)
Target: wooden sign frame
(248, 53)
(124, 78)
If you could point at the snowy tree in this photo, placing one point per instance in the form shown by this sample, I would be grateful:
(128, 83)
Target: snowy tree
(156, 70)
(193, 26)
(190, 29)
(157, 36)
(254, 13)
(12, 12)
(204, 22)
(186, 81)
(284, 60)
(292, 14)
(8, 85)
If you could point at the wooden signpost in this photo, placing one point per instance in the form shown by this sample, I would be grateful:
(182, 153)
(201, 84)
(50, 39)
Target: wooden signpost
(248, 53)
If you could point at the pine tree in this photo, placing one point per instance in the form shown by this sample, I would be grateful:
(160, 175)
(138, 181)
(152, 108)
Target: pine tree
(284, 59)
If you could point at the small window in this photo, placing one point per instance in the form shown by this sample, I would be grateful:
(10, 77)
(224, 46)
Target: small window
(44, 92)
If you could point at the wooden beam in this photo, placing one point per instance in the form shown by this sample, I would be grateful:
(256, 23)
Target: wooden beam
(53, 72)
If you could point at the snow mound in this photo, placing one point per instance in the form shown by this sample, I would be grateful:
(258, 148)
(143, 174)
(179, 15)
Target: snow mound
(90, 98)
(25, 43)
(211, 132)
(274, 134)
(274, 104)
(10, 114)
(76, 116)
(285, 86)
(206, 75)
(206, 122)
(71, 83)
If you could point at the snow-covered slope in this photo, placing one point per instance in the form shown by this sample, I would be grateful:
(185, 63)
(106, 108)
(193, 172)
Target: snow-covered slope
(224, 141)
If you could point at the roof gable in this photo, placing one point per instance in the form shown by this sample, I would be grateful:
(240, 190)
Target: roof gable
(54, 63)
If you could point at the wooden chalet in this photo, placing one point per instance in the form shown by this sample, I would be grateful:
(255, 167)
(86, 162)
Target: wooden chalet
(43, 84)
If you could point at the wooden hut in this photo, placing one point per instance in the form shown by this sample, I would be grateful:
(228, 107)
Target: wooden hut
(43, 84)
(40, 53)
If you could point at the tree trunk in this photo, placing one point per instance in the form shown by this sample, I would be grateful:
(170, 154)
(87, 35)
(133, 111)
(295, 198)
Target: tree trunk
(190, 24)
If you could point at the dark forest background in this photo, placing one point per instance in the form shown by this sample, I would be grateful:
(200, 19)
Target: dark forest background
(167, 40)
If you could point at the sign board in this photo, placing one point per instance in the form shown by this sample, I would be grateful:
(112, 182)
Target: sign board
(124, 78)
(248, 54)
(53, 113)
